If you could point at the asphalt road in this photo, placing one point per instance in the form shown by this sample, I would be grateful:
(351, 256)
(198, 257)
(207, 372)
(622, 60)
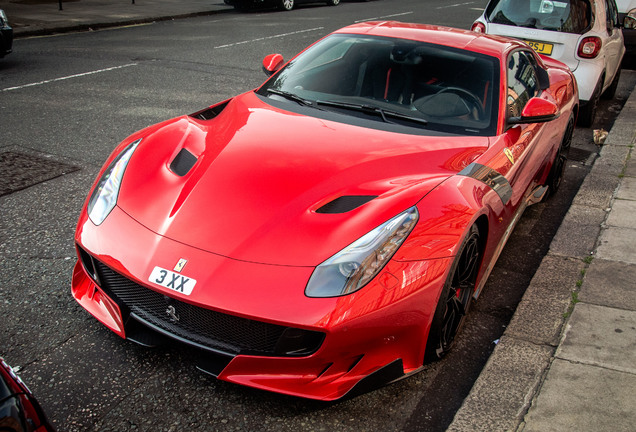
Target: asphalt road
(66, 101)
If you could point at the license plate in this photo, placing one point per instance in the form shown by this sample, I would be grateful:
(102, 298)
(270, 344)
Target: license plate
(540, 47)
(171, 280)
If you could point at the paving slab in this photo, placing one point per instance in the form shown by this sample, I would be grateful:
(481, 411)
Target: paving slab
(617, 243)
(610, 283)
(630, 167)
(622, 214)
(578, 397)
(601, 336)
(627, 189)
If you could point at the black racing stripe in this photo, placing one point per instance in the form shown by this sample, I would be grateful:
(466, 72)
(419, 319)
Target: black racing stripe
(490, 177)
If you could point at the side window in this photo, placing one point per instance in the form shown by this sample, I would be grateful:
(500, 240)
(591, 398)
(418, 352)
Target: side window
(615, 17)
(611, 13)
(522, 82)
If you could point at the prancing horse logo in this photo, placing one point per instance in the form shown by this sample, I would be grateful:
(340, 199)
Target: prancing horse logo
(180, 265)
(172, 313)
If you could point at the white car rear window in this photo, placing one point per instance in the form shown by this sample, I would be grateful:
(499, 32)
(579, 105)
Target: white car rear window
(569, 16)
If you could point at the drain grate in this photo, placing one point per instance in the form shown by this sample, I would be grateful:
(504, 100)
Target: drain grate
(20, 171)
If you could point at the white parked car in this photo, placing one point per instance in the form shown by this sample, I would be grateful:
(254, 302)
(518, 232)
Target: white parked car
(583, 34)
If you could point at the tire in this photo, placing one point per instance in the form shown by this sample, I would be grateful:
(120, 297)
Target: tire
(611, 90)
(455, 299)
(333, 2)
(588, 112)
(286, 5)
(555, 176)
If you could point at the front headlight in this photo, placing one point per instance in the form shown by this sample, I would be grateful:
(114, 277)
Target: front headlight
(3, 19)
(354, 266)
(104, 196)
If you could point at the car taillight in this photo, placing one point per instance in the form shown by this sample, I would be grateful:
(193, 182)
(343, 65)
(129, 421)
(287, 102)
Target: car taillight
(478, 27)
(589, 47)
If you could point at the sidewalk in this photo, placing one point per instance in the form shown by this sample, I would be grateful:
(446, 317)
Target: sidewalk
(567, 361)
(39, 17)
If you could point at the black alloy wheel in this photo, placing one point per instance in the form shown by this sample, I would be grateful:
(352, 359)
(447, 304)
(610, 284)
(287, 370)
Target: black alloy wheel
(333, 2)
(455, 299)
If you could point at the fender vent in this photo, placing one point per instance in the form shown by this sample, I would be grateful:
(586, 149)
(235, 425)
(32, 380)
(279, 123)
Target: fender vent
(345, 204)
(183, 163)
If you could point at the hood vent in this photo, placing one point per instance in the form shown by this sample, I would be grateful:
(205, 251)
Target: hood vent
(344, 204)
(183, 163)
(211, 112)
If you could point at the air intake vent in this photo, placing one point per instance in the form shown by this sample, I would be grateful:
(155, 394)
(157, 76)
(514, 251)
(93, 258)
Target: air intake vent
(211, 112)
(183, 162)
(344, 204)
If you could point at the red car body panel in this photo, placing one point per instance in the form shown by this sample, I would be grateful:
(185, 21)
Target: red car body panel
(245, 219)
(283, 182)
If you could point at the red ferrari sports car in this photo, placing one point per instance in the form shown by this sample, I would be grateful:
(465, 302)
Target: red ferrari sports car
(330, 228)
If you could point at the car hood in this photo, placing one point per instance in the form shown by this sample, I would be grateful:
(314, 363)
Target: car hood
(265, 180)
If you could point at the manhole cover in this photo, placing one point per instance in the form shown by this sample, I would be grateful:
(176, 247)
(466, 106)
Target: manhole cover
(19, 171)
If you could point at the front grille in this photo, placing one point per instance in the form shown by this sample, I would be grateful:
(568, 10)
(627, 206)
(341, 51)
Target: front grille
(217, 331)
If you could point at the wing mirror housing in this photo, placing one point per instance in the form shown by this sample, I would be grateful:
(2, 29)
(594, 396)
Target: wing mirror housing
(537, 110)
(272, 63)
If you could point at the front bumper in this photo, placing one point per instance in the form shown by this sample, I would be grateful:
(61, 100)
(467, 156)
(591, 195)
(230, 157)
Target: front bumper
(344, 339)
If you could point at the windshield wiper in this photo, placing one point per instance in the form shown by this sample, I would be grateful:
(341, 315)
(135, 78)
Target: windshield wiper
(292, 97)
(374, 110)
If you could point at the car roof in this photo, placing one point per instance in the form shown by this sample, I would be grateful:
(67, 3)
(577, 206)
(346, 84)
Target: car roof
(495, 46)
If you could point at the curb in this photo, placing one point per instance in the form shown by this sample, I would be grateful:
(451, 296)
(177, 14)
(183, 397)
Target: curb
(18, 33)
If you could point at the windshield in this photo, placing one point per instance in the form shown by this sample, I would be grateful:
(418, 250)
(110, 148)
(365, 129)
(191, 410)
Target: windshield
(408, 83)
(569, 16)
